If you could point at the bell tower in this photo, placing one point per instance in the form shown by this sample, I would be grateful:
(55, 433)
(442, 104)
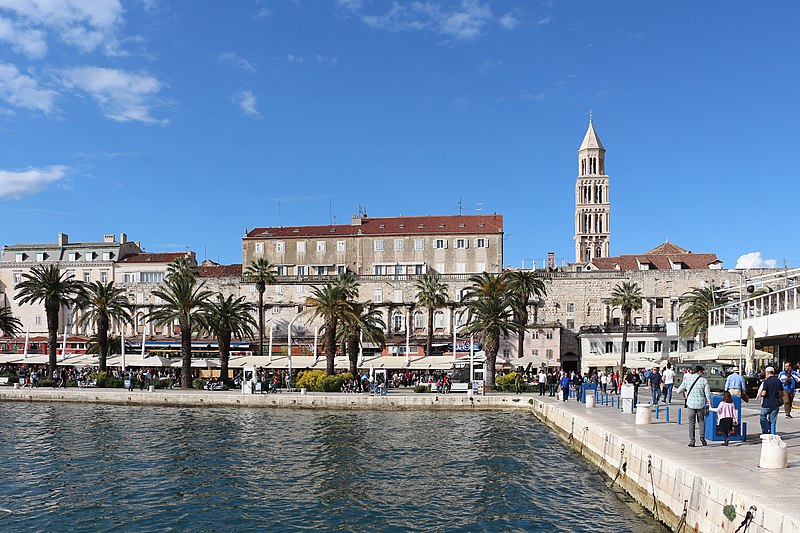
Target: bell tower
(592, 207)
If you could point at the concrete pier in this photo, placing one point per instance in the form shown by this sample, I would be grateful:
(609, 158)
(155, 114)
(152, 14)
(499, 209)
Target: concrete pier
(652, 463)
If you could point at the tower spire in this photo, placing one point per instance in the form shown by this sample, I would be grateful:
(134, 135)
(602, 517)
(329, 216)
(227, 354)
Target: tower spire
(592, 208)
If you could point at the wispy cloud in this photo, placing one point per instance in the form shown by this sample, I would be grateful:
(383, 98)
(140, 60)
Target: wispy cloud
(232, 58)
(544, 21)
(84, 24)
(460, 104)
(23, 40)
(21, 90)
(524, 95)
(122, 96)
(464, 22)
(291, 58)
(508, 21)
(15, 184)
(326, 60)
(488, 65)
(102, 155)
(262, 13)
(754, 260)
(247, 102)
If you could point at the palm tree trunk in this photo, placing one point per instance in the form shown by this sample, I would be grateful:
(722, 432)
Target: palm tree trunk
(623, 351)
(102, 341)
(491, 347)
(51, 309)
(261, 321)
(330, 346)
(352, 353)
(429, 348)
(224, 341)
(186, 357)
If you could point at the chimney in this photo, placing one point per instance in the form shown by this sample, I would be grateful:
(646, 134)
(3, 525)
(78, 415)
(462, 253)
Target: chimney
(551, 260)
(63, 239)
(123, 238)
(355, 220)
(108, 237)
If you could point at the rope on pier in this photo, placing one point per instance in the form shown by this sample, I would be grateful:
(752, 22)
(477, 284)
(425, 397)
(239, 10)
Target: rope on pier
(622, 465)
(748, 518)
(682, 523)
(652, 485)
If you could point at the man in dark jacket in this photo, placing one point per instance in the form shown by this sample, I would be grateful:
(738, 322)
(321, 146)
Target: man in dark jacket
(770, 394)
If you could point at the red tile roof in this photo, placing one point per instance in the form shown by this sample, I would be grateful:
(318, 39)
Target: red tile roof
(146, 257)
(427, 225)
(220, 271)
(662, 257)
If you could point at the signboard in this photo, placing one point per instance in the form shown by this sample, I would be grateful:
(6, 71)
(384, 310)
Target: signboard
(477, 387)
(731, 317)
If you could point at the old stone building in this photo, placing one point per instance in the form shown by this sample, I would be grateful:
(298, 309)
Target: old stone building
(592, 205)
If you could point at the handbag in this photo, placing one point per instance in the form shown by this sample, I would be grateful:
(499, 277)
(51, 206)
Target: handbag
(688, 392)
(745, 397)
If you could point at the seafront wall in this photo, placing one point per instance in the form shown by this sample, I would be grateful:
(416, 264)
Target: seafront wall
(682, 492)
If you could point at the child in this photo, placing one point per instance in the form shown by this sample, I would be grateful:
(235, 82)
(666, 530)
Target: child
(726, 416)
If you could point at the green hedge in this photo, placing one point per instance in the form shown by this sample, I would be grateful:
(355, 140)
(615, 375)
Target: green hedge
(422, 388)
(12, 378)
(105, 380)
(163, 383)
(320, 381)
(199, 383)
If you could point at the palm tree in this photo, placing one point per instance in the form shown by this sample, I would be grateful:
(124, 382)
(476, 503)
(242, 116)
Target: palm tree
(56, 289)
(182, 266)
(523, 284)
(100, 303)
(262, 273)
(627, 296)
(185, 301)
(491, 317)
(699, 301)
(113, 345)
(9, 324)
(331, 303)
(226, 318)
(431, 293)
(485, 286)
(361, 321)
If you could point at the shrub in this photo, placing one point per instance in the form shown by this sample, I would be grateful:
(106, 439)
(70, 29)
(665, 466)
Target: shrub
(319, 381)
(107, 381)
(507, 379)
(45, 382)
(163, 383)
(12, 378)
(199, 383)
(422, 388)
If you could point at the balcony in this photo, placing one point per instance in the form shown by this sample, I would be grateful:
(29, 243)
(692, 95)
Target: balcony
(773, 314)
(633, 328)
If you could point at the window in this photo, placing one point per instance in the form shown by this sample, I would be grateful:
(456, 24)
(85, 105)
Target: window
(673, 346)
(659, 303)
(140, 298)
(461, 243)
(549, 353)
(89, 256)
(461, 268)
(107, 256)
(19, 257)
(609, 347)
(104, 276)
(535, 352)
(377, 245)
(38, 320)
(419, 320)
(378, 270)
(281, 270)
(276, 309)
(259, 247)
(341, 269)
(657, 346)
(439, 267)
(398, 296)
(570, 307)
(377, 296)
(480, 266)
(637, 321)
(278, 289)
(570, 323)
(419, 270)
(549, 335)
(151, 277)
(690, 345)
(399, 245)
(438, 320)
(481, 243)
(440, 243)
(17, 277)
(640, 346)
(341, 246)
(301, 270)
(280, 247)
(301, 247)
(40, 256)
(299, 289)
(419, 244)
(73, 256)
(322, 246)
(128, 277)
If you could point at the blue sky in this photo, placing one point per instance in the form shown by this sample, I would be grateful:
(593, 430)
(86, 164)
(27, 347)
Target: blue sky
(183, 123)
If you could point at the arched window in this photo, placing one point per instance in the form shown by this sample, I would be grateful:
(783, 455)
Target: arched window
(397, 322)
(438, 320)
(419, 320)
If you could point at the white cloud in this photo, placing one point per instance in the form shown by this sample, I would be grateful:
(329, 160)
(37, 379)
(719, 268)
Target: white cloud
(525, 95)
(508, 21)
(326, 60)
(86, 24)
(21, 90)
(122, 96)
(247, 102)
(464, 22)
(545, 20)
(25, 41)
(488, 65)
(754, 260)
(262, 13)
(17, 183)
(291, 58)
(232, 58)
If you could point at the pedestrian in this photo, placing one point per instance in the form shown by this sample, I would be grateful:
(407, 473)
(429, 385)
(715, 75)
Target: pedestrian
(577, 382)
(517, 382)
(614, 382)
(727, 417)
(542, 377)
(634, 379)
(655, 385)
(552, 380)
(734, 383)
(668, 376)
(604, 382)
(770, 394)
(698, 397)
(565, 381)
(789, 379)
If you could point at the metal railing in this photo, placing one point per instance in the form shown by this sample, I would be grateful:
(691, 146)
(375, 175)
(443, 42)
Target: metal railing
(633, 328)
(771, 303)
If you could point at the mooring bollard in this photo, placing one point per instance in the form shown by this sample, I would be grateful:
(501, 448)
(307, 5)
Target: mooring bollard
(679, 416)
